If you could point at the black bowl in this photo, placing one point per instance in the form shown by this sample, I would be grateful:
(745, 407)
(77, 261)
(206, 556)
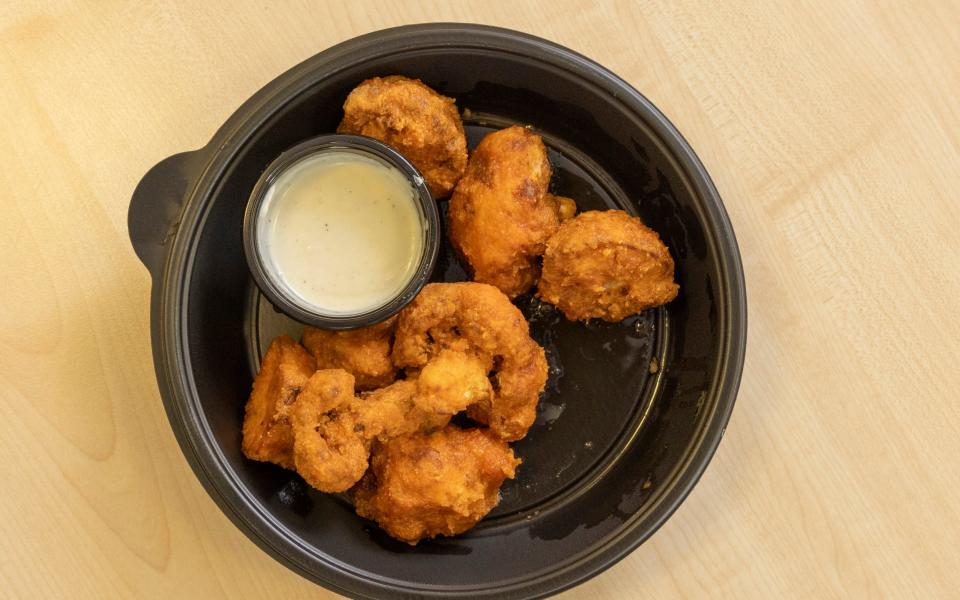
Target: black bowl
(633, 411)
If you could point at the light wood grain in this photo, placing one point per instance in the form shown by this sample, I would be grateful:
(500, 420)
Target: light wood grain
(832, 131)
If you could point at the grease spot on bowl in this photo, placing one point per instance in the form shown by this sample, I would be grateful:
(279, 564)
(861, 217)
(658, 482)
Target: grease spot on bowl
(549, 413)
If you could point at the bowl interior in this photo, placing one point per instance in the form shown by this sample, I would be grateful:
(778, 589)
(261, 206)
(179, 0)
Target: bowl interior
(625, 402)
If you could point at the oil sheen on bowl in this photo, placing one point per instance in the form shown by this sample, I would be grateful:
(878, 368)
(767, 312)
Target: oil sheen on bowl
(337, 233)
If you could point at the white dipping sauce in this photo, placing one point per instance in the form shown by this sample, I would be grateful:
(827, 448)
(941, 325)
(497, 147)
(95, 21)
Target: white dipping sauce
(342, 231)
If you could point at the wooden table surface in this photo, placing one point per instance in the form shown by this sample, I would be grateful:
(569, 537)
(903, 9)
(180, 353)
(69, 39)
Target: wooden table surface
(832, 131)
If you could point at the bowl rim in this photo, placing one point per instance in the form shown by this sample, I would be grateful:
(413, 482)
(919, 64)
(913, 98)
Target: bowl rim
(170, 292)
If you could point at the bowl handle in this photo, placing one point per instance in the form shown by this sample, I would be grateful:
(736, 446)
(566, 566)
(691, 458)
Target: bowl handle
(156, 206)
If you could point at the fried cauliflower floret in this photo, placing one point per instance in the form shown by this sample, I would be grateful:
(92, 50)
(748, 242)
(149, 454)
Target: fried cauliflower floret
(452, 381)
(420, 123)
(424, 485)
(364, 353)
(266, 426)
(606, 265)
(478, 319)
(501, 214)
(333, 429)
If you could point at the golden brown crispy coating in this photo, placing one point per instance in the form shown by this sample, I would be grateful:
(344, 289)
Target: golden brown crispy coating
(566, 207)
(425, 485)
(333, 429)
(452, 381)
(328, 452)
(266, 428)
(393, 410)
(420, 123)
(501, 214)
(607, 265)
(478, 319)
(364, 353)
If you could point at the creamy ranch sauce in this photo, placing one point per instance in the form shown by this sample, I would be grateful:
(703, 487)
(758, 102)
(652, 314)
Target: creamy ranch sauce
(343, 231)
